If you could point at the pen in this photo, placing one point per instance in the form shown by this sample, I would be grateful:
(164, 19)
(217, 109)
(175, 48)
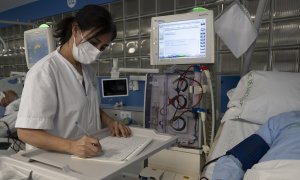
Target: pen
(83, 130)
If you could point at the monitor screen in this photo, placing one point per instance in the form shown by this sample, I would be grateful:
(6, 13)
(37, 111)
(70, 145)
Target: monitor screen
(182, 39)
(38, 43)
(114, 87)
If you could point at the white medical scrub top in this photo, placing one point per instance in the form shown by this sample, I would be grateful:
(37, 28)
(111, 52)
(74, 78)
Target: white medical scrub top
(54, 98)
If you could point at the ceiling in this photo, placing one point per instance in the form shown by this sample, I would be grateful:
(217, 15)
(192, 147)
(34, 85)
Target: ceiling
(10, 4)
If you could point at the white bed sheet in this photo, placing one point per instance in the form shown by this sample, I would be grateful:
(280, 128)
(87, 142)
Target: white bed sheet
(274, 170)
(232, 133)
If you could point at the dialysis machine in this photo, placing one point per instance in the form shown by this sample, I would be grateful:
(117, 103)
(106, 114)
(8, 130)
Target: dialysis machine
(181, 103)
(176, 102)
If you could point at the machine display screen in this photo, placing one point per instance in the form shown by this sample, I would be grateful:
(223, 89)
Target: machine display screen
(182, 39)
(114, 87)
(186, 38)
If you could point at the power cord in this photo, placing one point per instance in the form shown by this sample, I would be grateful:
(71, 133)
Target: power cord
(17, 144)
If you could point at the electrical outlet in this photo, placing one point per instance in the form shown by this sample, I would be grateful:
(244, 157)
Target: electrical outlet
(125, 114)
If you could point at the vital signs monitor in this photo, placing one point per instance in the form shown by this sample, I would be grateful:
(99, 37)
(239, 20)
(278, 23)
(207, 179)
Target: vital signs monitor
(114, 87)
(182, 39)
(38, 43)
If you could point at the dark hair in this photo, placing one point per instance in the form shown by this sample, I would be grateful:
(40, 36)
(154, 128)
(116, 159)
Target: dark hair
(90, 17)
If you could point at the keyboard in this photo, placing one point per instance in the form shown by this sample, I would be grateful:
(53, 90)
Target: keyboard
(120, 149)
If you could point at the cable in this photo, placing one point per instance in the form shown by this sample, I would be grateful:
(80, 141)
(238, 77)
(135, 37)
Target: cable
(204, 178)
(180, 79)
(14, 138)
(180, 126)
(178, 98)
(163, 111)
(18, 144)
(186, 71)
(209, 162)
(178, 117)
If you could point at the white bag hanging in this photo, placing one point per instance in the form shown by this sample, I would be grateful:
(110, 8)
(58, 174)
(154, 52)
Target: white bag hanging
(235, 28)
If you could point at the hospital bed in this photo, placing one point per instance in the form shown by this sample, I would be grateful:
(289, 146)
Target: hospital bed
(14, 83)
(258, 96)
(7, 122)
(9, 142)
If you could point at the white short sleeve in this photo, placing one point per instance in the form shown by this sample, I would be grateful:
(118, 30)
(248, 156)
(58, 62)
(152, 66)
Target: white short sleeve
(38, 101)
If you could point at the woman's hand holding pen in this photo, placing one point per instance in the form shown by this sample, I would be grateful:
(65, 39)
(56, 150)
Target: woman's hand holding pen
(86, 147)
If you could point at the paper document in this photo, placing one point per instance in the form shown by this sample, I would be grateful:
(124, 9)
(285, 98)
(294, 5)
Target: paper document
(120, 149)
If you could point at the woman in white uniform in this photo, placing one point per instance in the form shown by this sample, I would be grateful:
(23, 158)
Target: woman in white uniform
(61, 89)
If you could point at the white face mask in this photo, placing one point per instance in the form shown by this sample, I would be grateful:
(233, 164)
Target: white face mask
(85, 53)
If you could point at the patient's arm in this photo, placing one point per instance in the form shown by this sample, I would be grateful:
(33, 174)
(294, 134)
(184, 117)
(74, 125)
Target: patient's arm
(241, 157)
(228, 167)
(83, 147)
(246, 154)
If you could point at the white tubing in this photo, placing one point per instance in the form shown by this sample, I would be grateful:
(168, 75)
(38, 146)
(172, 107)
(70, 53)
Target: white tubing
(205, 147)
(203, 119)
(138, 70)
(213, 119)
